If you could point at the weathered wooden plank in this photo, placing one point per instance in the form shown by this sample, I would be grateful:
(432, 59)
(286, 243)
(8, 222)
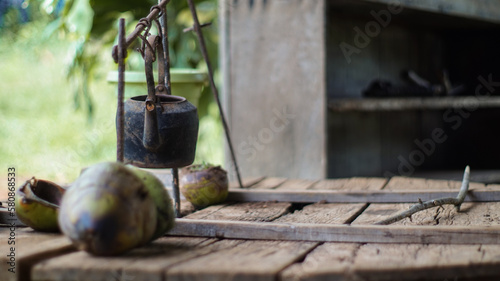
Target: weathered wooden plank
(263, 36)
(80, 266)
(350, 184)
(250, 260)
(378, 212)
(337, 233)
(145, 263)
(382, 196)
(492, 187)
(352, 261)
(252, 211)
(150, 267)
(483, 176)
(203, 213)
(404, 183)
(471, 214)
(330, 261)
(30, 247)
(247, 182)
(296, 184)
(417, 262)
(268, 183)
(323, 213)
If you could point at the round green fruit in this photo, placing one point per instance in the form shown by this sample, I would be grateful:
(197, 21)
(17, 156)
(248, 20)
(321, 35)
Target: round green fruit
(110, 209)
(163, 202)
(204, 186)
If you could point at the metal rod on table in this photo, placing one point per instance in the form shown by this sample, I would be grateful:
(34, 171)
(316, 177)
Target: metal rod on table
(176, 195)
(203, 47)
(122, 54)
(155, 11)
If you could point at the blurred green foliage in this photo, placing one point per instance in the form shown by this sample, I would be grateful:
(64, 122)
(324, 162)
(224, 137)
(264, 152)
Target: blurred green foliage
(92, 27)
(41, 134)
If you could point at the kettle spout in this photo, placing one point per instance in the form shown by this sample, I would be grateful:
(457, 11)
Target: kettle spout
(151, 137)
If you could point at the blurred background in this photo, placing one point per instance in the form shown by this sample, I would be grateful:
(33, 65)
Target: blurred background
(57, 109)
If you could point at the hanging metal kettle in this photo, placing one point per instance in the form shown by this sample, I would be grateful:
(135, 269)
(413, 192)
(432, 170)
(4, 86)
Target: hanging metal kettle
(160, 130)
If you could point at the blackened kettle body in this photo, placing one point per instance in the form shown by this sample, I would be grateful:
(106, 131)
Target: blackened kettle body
(161, 136)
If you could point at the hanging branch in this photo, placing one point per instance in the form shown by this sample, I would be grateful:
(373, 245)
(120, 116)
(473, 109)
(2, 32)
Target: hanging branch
(433, 203)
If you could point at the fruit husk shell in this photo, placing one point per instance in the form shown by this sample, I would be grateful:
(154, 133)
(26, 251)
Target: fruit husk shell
(37, 204)
(204, 187)
(108, 211)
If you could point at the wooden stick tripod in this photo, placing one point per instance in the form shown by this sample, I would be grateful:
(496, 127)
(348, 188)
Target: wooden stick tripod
(119, 55)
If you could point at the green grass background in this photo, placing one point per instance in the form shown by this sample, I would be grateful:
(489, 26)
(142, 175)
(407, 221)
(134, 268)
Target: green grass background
(42, 134)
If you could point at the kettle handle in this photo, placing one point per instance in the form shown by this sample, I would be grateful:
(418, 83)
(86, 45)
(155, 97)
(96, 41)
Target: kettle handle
(151, 137)
(155, 49)
(163, 83)
(149, 58)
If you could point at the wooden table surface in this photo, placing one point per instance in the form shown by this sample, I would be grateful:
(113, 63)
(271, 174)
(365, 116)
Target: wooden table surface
(50, 257)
